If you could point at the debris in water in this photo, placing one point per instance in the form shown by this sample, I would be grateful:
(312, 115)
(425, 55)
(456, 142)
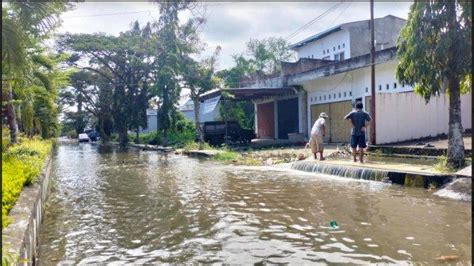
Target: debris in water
(333, 224)
(447, 258)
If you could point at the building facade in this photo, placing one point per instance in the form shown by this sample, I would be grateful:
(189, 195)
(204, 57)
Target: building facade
(333, 73)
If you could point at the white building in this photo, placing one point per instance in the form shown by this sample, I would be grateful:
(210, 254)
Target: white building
(333, 73)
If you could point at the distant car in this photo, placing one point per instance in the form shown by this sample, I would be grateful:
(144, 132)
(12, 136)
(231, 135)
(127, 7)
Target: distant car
(83, 137)
(93, 135)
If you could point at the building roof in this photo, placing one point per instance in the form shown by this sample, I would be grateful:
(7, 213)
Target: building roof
(330, 31)
(249, 93)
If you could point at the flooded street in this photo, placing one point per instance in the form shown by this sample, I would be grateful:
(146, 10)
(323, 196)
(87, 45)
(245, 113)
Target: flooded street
(130, 206)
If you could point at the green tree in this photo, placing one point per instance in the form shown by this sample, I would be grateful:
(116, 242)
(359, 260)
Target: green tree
(434, 49)
(200, 78)
(125, 65)
(174, 42)
(24, 25)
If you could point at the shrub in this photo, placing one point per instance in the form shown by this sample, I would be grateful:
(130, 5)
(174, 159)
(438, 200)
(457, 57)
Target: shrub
(195, 146)
(227, 156)
(72, 134)
(21, 165)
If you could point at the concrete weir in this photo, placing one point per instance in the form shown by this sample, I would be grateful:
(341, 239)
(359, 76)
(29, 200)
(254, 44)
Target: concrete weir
(407, 178)
(20, 238)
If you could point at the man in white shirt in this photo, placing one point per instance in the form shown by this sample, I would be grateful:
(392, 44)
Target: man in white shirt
(318, 131)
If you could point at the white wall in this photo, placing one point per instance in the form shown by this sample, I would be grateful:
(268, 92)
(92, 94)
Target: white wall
(352, 85)
(315, 49)
(405, 116)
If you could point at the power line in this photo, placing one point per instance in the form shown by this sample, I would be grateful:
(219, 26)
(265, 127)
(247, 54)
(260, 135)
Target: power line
(305, 26)
(111, 14)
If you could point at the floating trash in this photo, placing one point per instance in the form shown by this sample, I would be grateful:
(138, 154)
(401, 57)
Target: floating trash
(333, 224)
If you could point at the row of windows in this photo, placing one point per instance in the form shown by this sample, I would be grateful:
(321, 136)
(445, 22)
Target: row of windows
(329, 96)
(334, 48)
(387, 87)
(344, 94)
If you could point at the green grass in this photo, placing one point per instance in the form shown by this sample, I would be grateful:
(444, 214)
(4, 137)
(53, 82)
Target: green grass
(195, 146)
(21, 166)
(227, 156)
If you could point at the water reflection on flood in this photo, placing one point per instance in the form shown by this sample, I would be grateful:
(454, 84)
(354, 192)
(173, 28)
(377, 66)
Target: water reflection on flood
(128, 206)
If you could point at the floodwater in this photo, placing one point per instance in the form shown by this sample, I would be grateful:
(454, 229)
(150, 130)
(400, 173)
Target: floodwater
(128, 206)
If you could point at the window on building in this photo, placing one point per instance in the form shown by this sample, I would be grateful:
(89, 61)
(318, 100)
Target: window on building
(394, 85)
(312, 56)
(380, 87)
(343, 45)
(338, 47)
(320, 98)
(324, 97)
(339, 56)
(350, 93)
(327, 51)
(324, 52)
(366, 89)
(334, 96)
(339, 95)
(311, 99)
(329, 96)
(388, 86)
(345, 94)
(334, 48)
(403, 84)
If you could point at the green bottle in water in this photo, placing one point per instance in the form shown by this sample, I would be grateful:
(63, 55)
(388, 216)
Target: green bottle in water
(333, 224)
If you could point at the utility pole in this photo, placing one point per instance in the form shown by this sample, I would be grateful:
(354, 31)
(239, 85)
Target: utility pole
(372, 70)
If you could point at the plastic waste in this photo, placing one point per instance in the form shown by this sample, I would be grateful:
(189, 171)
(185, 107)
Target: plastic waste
(333, 224)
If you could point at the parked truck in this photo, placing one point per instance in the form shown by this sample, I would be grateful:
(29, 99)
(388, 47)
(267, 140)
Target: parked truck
(214, 133)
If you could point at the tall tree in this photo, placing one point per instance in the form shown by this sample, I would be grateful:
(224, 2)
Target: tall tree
(175, 42)
(200, 78)
(435, 56)
(126, 62)
(24, 24)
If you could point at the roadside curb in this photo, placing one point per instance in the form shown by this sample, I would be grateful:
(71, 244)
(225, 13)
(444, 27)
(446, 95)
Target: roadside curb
(20, 238)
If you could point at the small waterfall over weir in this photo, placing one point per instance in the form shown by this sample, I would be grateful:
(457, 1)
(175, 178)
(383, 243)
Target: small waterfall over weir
(341, 170)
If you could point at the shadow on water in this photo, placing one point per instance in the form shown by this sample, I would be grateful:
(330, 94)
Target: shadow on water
(129, 206)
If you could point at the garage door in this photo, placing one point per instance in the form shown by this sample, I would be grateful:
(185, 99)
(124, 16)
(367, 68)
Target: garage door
(340, 128)
(287, 117)
(337, 129)
(265, 120)
(316, 109)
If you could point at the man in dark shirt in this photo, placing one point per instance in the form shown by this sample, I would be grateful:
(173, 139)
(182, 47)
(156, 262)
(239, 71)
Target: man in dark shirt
(359, 120)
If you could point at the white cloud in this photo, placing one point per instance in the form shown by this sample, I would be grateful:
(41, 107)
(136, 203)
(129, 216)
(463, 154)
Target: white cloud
(230, 24)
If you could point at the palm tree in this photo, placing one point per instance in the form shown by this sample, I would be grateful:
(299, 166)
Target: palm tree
(23, 25)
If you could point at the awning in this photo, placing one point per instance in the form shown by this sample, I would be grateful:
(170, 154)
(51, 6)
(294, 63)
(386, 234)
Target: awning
(243, 94)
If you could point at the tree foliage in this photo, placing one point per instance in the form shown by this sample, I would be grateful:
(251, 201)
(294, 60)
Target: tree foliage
(31, 76)
(435, 55)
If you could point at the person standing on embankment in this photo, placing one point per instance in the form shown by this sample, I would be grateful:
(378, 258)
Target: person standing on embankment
(318, 131)
(359, 120)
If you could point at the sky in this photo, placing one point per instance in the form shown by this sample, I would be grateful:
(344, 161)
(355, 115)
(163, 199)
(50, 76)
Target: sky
(231, 24)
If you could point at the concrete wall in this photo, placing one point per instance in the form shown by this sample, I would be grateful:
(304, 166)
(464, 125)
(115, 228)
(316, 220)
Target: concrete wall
(387, 30)
(20, 238)
(341, 67)
(336, 42)
(406, 116)
(352, 85)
